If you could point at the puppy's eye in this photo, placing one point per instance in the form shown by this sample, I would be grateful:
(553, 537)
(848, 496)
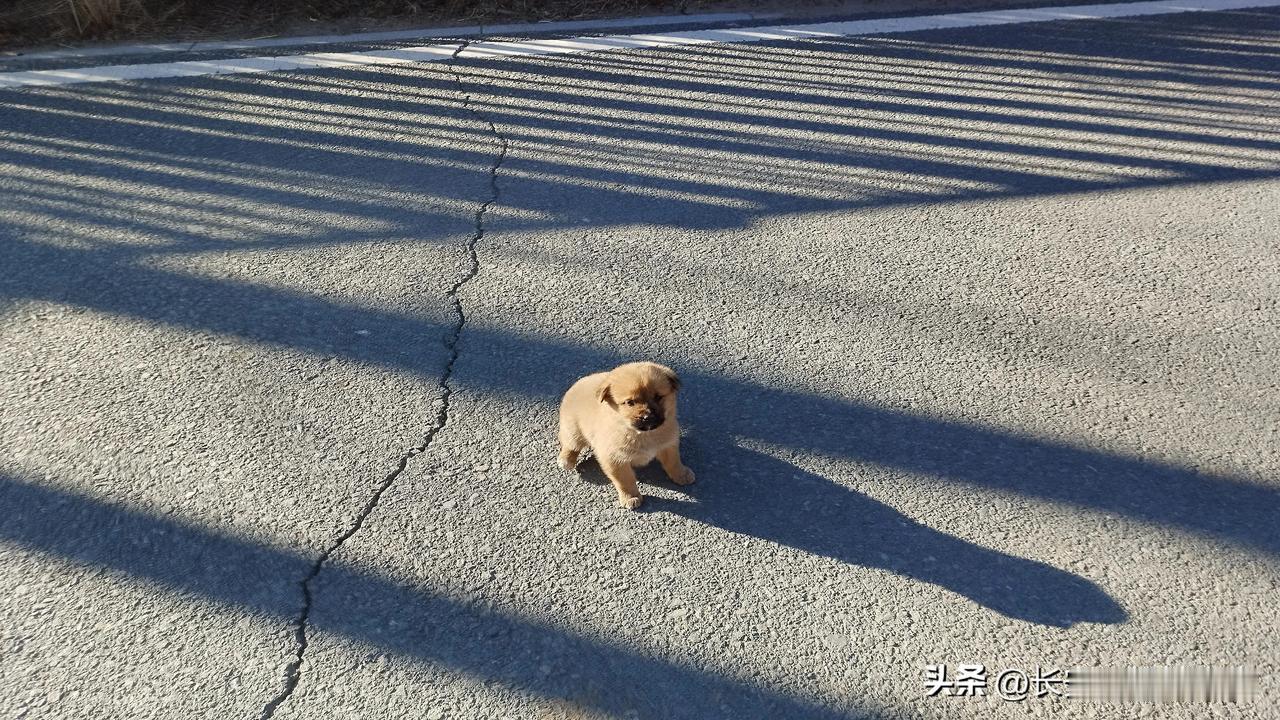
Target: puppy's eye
(629, 402)
(657, 398)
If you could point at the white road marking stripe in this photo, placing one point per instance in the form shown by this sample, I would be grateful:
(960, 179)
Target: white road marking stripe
(398, 35)
(518, 48)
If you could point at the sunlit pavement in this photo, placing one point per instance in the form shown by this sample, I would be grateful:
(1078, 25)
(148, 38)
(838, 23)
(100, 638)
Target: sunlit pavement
(978, 333)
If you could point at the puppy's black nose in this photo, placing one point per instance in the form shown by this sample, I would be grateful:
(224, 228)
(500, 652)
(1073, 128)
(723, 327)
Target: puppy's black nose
(648, 421)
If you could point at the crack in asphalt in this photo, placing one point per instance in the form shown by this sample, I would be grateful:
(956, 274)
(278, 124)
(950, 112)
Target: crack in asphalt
(293, 674)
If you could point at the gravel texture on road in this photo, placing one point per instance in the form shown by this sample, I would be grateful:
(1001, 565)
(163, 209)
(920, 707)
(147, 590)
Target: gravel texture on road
(977, 328)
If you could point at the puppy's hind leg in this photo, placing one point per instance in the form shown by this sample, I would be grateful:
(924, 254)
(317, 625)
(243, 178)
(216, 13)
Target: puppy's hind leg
(571, 444)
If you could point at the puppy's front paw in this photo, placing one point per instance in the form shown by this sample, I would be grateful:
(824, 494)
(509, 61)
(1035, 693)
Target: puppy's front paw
(630, 502)
(684, 477)
(568, 460)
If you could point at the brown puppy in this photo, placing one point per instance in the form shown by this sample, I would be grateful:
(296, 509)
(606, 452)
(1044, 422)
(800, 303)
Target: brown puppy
(627, 417)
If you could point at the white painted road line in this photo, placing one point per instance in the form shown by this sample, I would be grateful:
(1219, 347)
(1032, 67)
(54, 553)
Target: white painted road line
(563, 46)
(399, 35)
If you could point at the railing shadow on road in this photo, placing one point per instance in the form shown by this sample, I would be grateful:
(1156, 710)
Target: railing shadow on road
(855, 123)
(857, 151)
(336, 178)
(463, 636)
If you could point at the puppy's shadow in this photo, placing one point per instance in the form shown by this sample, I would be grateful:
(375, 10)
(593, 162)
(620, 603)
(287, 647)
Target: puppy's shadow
(751, 493)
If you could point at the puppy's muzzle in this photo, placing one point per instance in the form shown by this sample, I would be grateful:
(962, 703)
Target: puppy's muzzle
(648, 421)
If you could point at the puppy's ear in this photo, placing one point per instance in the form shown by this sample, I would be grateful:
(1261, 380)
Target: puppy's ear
(603, 393)
(671, 377)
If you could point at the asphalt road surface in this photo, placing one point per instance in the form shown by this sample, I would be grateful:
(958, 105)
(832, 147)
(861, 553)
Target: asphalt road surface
(978, 329)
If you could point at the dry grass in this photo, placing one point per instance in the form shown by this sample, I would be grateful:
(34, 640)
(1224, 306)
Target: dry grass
(91, 15)
(44, 22)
